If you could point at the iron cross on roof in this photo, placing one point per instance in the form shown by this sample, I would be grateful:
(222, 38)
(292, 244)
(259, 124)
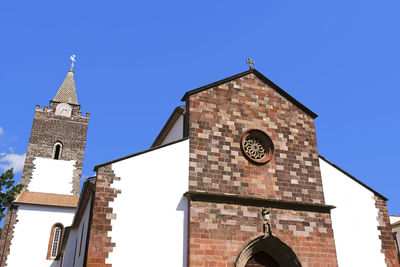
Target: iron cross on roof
(72, 58)
(250, 62)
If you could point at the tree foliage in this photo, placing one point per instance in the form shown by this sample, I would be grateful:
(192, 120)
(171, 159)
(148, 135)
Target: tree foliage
(9, 191)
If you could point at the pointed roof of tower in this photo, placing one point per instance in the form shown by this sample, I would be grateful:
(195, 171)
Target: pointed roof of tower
(67, 91)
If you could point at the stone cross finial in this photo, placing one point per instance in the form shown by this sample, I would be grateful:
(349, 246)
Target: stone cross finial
(250, 62)
(72, 58)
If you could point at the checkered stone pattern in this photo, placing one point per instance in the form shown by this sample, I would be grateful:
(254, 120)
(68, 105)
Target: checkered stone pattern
(220, 231)
(10, 221)
(219, 116)
(386, 235)
(100, 244)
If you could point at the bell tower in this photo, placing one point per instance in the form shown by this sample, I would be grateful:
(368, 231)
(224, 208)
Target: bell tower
(35, 223)
(56, 146)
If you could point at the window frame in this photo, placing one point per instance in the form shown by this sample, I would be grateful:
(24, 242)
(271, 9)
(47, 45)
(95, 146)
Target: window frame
(52, 240)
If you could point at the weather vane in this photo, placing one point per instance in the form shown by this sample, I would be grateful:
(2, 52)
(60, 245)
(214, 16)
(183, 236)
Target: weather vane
(72, 58)
(250, 62)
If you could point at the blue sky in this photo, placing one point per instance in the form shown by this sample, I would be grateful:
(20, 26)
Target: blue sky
(137, 58)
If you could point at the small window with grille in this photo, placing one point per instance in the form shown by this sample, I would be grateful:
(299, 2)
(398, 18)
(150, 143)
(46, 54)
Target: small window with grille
(55, 240)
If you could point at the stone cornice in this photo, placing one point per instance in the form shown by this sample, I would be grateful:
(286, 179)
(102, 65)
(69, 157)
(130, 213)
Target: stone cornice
(47, 199)
(258, 202)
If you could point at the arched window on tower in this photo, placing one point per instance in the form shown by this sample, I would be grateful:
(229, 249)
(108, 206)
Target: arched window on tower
(55, 241)
(57, 150)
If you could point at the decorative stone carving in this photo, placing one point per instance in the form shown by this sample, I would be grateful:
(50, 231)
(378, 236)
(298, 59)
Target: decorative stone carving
(257, 147)
(267, 222)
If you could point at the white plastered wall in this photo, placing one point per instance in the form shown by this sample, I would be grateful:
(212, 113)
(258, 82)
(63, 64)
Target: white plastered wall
(396, 230)
(354, 220)
(32, 234)
(394, 218)
(151, 211)
(176, 132)
(52, 176)
(74, 253)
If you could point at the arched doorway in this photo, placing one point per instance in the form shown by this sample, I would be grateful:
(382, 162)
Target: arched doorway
(267, 251)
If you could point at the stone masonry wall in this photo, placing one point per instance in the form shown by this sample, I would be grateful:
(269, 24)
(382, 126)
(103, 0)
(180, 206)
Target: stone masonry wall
(386, 235)
(219, 231)
(218, 118)
(99, 242)
(47, 128)
(10, 221)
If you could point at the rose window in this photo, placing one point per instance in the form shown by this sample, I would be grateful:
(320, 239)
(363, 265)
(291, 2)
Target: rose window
(257, 147)
(254, 147)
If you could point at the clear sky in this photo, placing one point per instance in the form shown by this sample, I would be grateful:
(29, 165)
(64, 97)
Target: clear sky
(137, 58)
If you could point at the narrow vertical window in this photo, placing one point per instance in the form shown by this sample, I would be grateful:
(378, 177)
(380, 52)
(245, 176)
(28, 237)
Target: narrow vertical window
(57, 150)
(55, 240)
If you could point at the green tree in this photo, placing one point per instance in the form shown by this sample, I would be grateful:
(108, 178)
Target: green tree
(8, 191)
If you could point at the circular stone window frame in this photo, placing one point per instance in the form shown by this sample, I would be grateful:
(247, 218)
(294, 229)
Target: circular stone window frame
(266, 141)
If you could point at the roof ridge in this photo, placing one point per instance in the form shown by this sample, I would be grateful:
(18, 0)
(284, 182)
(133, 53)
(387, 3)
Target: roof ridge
(260, 76)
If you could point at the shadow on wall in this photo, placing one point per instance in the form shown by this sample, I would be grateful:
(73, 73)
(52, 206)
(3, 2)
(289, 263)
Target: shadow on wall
(183, 207)
(55, 264)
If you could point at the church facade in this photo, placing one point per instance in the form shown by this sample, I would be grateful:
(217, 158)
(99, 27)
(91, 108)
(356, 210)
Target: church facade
(234, 179)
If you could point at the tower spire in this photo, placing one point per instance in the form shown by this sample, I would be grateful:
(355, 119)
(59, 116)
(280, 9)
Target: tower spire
(67, 92)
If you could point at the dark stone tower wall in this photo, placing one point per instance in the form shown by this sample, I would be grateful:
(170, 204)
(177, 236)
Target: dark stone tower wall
(60, 122)
(47, 129)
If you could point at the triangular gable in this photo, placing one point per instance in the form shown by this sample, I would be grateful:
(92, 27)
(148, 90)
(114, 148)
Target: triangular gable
(353, 178)
(263, 79)
(179, 111)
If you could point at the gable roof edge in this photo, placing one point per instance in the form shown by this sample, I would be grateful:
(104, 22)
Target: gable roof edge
(263, 79)
(178, 111)
(354, 178)
(139, 153)
(87, 192)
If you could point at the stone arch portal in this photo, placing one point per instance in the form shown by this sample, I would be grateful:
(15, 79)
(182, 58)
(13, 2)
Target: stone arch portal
(267, 251)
